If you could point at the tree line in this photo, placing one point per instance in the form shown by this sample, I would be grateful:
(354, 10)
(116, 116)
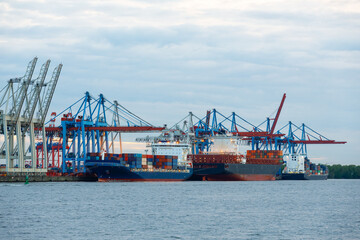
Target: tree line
(338, 171)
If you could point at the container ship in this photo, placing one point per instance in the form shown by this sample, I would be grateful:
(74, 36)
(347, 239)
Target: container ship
(258, 165)
(137, 167)
(299, 167)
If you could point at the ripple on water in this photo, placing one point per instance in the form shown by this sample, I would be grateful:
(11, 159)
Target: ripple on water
(191, 210)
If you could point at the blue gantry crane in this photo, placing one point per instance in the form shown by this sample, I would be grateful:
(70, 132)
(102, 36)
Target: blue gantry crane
(87, 126)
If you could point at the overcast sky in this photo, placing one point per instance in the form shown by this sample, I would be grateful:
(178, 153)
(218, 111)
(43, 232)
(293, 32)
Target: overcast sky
(162, 59)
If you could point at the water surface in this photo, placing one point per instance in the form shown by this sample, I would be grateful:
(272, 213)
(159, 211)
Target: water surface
(185, 210)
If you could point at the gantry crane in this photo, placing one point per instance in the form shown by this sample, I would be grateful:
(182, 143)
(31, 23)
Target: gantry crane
(18, 119)
(200, 136)
(87, 126)
(11, 126)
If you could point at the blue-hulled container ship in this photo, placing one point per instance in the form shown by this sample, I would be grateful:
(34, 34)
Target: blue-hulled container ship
(299, 167)
(137, 167)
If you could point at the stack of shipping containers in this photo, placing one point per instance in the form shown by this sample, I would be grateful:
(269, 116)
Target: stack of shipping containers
(264, 157)
(139, 161)
(315, 169)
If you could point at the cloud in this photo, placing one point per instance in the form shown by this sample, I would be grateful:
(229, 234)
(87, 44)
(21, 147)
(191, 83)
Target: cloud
(162, 59)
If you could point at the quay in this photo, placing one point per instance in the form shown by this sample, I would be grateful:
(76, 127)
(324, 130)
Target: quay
(43, 177)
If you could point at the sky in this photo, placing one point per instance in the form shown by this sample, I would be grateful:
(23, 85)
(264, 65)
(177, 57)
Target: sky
(162, 59)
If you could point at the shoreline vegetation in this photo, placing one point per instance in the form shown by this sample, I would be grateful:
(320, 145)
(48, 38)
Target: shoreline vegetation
(338, 171)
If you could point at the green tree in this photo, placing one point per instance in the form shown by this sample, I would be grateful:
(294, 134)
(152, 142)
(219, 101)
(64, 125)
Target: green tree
(338, 171)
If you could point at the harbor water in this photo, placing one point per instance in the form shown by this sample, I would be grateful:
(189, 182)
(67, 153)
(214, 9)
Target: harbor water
(183, 210)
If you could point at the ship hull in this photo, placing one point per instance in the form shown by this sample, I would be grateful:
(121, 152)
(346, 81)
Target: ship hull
(112, 171)
(235, 172)
(303, 176)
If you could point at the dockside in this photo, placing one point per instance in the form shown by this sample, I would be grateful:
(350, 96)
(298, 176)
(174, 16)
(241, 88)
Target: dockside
(45, 178)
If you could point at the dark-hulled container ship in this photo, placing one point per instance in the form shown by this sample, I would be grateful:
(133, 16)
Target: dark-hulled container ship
(137, 167)
(258, 165)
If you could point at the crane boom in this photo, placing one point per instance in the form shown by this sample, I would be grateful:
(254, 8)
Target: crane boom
(35, 94)
(278, 114)
(20, 98)
(45, 103)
